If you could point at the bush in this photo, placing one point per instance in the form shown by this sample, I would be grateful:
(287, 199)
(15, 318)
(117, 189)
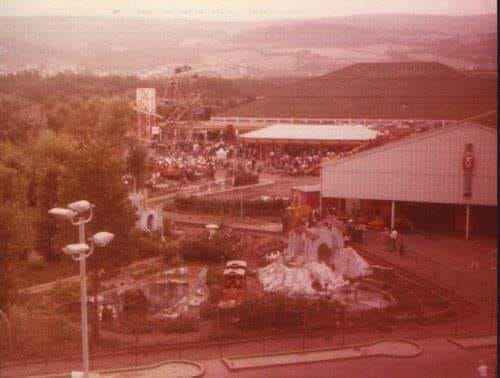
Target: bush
(208, 311)
(215, 275)
(242, 178)
(232, 206)
(180, 325)
(272, 311)
(37, 334)
(149, 247)
(66, 296)
(221, 247)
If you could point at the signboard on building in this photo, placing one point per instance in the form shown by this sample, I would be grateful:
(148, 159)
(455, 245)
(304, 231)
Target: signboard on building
(145, 100)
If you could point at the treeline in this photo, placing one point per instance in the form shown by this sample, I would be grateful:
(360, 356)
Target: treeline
(54, 153)
(31, 86)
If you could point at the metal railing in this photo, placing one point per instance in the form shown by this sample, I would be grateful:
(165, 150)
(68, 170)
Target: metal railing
(326, 121)
(271, 341)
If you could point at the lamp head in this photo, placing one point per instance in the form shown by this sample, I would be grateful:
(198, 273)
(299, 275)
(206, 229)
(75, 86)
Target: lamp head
(76, 249)
(102, 239)
(62, 213)
(80, 206)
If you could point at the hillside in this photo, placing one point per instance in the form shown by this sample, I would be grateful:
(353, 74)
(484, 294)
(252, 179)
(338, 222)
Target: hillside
(312, 34)
(264, 48)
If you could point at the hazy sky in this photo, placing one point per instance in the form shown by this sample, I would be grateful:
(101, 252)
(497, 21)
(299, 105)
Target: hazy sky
(240, 9)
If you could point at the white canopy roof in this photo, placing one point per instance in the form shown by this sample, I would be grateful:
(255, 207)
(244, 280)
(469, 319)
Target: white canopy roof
(312, 132)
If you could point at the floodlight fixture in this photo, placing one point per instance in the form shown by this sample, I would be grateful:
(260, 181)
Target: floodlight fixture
(102, 239)
(80, 206)
(76, 249)
(62, 213)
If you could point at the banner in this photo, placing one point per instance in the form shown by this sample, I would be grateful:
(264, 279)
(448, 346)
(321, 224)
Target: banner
(145, 100)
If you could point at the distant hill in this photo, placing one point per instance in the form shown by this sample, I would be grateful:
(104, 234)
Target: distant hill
(367, 29)
(312, 34)
(413, 23)
(268, 47)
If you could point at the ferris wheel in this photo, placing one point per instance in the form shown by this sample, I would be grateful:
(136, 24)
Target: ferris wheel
(181, 98)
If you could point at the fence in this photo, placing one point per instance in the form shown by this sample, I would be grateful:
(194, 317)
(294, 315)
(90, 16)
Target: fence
(472, 320)
(172, 191)
(232, 204)
(331, 121)
(140, 352)
(466, 284)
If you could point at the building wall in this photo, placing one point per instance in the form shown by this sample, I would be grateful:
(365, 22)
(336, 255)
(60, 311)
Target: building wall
(426, 168)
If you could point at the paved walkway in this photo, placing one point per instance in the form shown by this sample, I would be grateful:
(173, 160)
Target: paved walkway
(444, 260)
(387, 348)
(439, 359)
(474, 342)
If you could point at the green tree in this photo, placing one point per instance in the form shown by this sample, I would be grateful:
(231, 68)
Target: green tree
(95, 175)
(13, 186)
(52, 154)
(60, 116)
(7, 236)
(88, 119)
(15, 241)
(17, 119)
(115, 122)
(137, 164)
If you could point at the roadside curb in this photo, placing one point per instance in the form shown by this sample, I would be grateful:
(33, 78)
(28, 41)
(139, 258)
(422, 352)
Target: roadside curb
(348, 352)
(474, 341)
(103, 373)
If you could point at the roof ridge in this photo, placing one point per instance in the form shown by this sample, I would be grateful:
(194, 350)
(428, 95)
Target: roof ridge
(406, 140)
(387, 69)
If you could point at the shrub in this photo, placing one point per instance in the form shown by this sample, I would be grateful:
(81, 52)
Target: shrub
(215, 275)
(66, 296)
(221, 247)
(36, 334)
(242, 178)
(250, 207)
(173, 258)
(272, 311)
(208, 311)
(180, 325)
(149, 247)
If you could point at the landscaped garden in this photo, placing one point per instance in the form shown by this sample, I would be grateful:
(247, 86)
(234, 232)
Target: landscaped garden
(187, 276)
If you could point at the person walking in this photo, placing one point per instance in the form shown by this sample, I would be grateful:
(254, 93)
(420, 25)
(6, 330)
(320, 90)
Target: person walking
(482, 369)
(393, 238)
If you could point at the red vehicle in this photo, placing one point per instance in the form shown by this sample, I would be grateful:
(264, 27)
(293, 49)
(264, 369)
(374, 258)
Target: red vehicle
(235, 283)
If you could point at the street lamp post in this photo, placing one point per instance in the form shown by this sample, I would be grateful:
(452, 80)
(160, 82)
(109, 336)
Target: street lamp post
(75, 213)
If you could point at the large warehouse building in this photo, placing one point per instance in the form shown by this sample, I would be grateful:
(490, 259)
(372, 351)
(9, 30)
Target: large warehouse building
(441, 178)
(371, 93)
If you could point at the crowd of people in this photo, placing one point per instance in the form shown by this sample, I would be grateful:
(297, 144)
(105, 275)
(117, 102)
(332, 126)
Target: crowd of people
(200, 159)
(188, 162)
(297, 163)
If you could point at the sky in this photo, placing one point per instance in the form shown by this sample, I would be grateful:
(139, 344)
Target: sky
(240, 10)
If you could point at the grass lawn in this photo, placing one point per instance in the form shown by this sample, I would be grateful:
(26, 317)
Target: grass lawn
(29, 275)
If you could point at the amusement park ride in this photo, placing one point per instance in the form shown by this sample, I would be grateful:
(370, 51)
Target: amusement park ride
(181, 98)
